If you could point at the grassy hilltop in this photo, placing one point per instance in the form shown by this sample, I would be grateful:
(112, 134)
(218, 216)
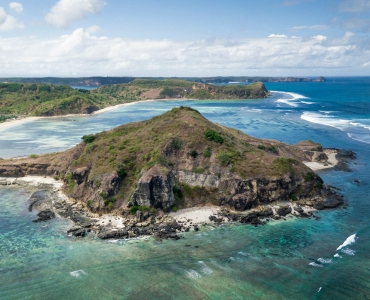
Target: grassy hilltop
(52, 100)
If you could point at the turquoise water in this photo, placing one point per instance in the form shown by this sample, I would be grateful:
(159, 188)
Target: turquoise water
(291, 259)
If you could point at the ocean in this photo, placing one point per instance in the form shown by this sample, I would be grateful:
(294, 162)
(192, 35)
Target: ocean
(293, 259)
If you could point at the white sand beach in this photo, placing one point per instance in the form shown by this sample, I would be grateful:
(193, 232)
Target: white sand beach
(316, 166)
(197, 215)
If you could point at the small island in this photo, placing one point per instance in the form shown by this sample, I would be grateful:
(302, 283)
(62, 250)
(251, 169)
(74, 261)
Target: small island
(141, 173)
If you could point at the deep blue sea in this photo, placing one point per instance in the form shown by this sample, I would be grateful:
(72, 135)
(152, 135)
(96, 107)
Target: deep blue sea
(293, 259)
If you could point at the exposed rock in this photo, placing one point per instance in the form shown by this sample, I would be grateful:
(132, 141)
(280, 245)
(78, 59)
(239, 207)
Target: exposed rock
(44, 215)
(155, 189)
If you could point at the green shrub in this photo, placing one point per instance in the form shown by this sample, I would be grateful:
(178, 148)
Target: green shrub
(177, 192)
(33, 156)
(212, 135)
(193, 153)
(262, 147)
(176, 144)
(225, 158)
(174, 208)
(89, 203)
(134, 209)
(207, 153)
(121, 171)
(273, 149)
(110, 205)
(293, 197)
(88, 138)
(199, 170)
(309, 176)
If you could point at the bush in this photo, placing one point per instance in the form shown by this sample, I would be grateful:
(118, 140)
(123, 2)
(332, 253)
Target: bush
(89, 203)
(193, 153)
(262, 147)
(174, 208)
(177, 192)
(33, 156)
(134, 209)
(212, 135)
(273, 149)
(176, 144)
(309, 176)
(225, 158)
(207, 153)
(199, 170)
(293, 197)
(121, 171)
(88, 138)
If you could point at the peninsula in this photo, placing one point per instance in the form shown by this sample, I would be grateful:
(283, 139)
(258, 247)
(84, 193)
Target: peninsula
(141, 171)
(34, 99)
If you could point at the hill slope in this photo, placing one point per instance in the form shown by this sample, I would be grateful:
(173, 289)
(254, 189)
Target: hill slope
(178, 159)
(142, 89)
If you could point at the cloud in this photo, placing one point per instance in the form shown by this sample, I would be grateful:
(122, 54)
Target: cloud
(313, 27)
(65, 12)
(16, 6)
(277, 35)
(354, 6)
(8, 22)
(82, 53)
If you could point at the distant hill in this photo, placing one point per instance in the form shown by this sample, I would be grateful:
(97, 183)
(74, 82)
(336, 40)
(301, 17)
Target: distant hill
(54, 100)
(99, 81)
(142, 89)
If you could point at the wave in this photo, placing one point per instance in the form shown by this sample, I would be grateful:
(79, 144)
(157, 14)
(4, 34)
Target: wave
(247, 109)
(315, 265)
(349, 241)
(348, 251)
(77, 273)
(205, 269)
(290, 100)
(355, 130)
(305, 102)
(324, 261)
(193, 274)
(337, 255)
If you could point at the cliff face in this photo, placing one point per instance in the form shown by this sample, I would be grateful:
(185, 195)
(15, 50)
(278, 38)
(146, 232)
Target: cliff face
(178, 159)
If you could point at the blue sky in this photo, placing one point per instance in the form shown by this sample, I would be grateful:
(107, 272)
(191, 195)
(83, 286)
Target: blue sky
(184, 38)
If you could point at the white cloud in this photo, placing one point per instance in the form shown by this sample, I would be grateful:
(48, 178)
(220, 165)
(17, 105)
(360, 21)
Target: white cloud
(277, 35)
(314, 27)
(16, 6)
(354, 6)
(65, 12)
(320, 37)
(8, 22)
(83, 53)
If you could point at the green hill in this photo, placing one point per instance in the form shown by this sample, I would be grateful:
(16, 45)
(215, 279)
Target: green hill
(178, 159)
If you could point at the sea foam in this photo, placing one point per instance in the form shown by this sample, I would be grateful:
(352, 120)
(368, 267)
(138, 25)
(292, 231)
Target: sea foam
(349, 241)
(77, 273)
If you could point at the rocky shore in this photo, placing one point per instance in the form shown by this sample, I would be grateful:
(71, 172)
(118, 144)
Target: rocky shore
(49, 201)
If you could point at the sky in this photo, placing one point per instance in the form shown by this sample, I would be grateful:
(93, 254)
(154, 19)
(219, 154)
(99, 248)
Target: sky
(76, 38)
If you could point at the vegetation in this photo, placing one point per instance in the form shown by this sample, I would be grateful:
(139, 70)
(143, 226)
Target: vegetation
(50, 100)
(88, 138)
(167, 142)
(212, 135)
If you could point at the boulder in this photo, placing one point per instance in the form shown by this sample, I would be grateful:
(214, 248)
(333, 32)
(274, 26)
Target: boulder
(44, 215)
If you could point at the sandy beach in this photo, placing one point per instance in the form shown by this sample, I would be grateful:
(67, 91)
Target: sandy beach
(20, 121)
(197, 215)
(316, 166)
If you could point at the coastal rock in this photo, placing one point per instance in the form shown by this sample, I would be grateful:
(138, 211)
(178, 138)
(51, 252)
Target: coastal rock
(44, 215)
(155, 188)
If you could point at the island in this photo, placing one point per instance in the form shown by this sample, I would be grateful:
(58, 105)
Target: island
(35, 99)
(141, 174)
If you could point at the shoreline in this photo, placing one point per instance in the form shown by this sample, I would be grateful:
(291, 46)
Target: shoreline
(317, 166)
(23, 120)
